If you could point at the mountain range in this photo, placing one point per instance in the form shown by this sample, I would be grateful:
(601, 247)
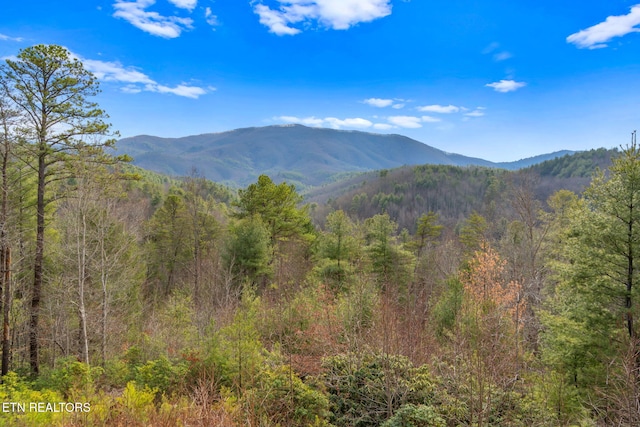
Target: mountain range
(305, 156)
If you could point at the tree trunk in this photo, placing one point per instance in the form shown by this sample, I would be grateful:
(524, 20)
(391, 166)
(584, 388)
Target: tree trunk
(5, 249)
(6, 310)
(103, 281)
(82, 274)
(36, 291)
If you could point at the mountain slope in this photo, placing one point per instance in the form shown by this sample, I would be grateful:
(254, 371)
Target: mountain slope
(299, 154)
(453, 192)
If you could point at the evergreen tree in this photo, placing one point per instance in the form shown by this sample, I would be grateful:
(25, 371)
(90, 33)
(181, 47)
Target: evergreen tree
(592, 317)
(277, 206)
(338, 245)
(51, 89)
(168, 244)
(247, 253)
(390, 264)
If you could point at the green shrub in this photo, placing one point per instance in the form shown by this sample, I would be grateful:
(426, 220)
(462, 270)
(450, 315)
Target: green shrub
(280, 397)
(137, 403)
(415, 416)
(70, 377)
(364, 388)
(117, 373)
(14, 389)
(161, 375)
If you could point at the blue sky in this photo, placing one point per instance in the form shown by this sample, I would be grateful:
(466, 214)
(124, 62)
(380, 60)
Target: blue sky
(496, 79)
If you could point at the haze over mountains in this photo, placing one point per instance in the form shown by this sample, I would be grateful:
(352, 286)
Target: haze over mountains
(302, 155)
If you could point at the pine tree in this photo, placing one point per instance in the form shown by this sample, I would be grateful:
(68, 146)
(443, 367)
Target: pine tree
(51, 89)
(592, 318)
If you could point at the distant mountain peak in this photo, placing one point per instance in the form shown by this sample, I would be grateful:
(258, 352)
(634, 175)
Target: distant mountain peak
(296, 153)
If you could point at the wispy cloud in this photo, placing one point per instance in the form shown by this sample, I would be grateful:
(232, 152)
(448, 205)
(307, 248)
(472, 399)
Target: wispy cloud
(309, 121)
(597, 36)
(352, 122)
(443, 109)
(430, 119)
(497, 54)
(378, 102)
(385, 122)
(502, 56)
(4, 37)
(478, 112)
(276, 21)
(505, 86)
(137, 81)
(115, 72)
(153, 23)
(335, 14)
(210, 17)
(185, 4)
(131, 89)
(411, 122)
(181, 90)
(331, 122)
(382, 103)
(382, 126)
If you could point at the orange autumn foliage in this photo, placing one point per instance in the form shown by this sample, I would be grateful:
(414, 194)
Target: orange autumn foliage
(484, 284)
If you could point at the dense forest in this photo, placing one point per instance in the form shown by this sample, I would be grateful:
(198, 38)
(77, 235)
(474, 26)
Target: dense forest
(426, 296)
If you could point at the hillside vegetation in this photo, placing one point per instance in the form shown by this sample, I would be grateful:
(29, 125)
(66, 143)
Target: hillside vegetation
(452, 192)
(132, 299)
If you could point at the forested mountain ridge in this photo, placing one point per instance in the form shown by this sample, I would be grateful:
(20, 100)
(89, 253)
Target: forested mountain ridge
(297, 154)
(450, 191)
(580, 164)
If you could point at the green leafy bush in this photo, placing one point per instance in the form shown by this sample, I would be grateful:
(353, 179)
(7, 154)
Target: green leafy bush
(415, 416)
(280, 397)
(161, 375)
(70, 377)
(366, 388)
(16, 390)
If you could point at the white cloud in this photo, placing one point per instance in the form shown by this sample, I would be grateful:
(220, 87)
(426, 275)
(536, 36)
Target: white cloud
(497, 56)
(185, 4)
(478, 112)
(276, 21)
(502, 56)
(331, 122)
(210, 17)
(491, 48)
(181, 90)
(377, 102)
(382, 126)
(409, 122)
(443, 109)
(136, 80)
(310, 121)
(382, 103)
(504, 86)
(597, 36)
(131, 89)
(4, 37)
(151, 22)
(336, 14)
(354, 122)
(115, 72)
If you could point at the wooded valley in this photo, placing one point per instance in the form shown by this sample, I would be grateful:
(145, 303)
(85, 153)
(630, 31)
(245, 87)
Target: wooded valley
(423, 296)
